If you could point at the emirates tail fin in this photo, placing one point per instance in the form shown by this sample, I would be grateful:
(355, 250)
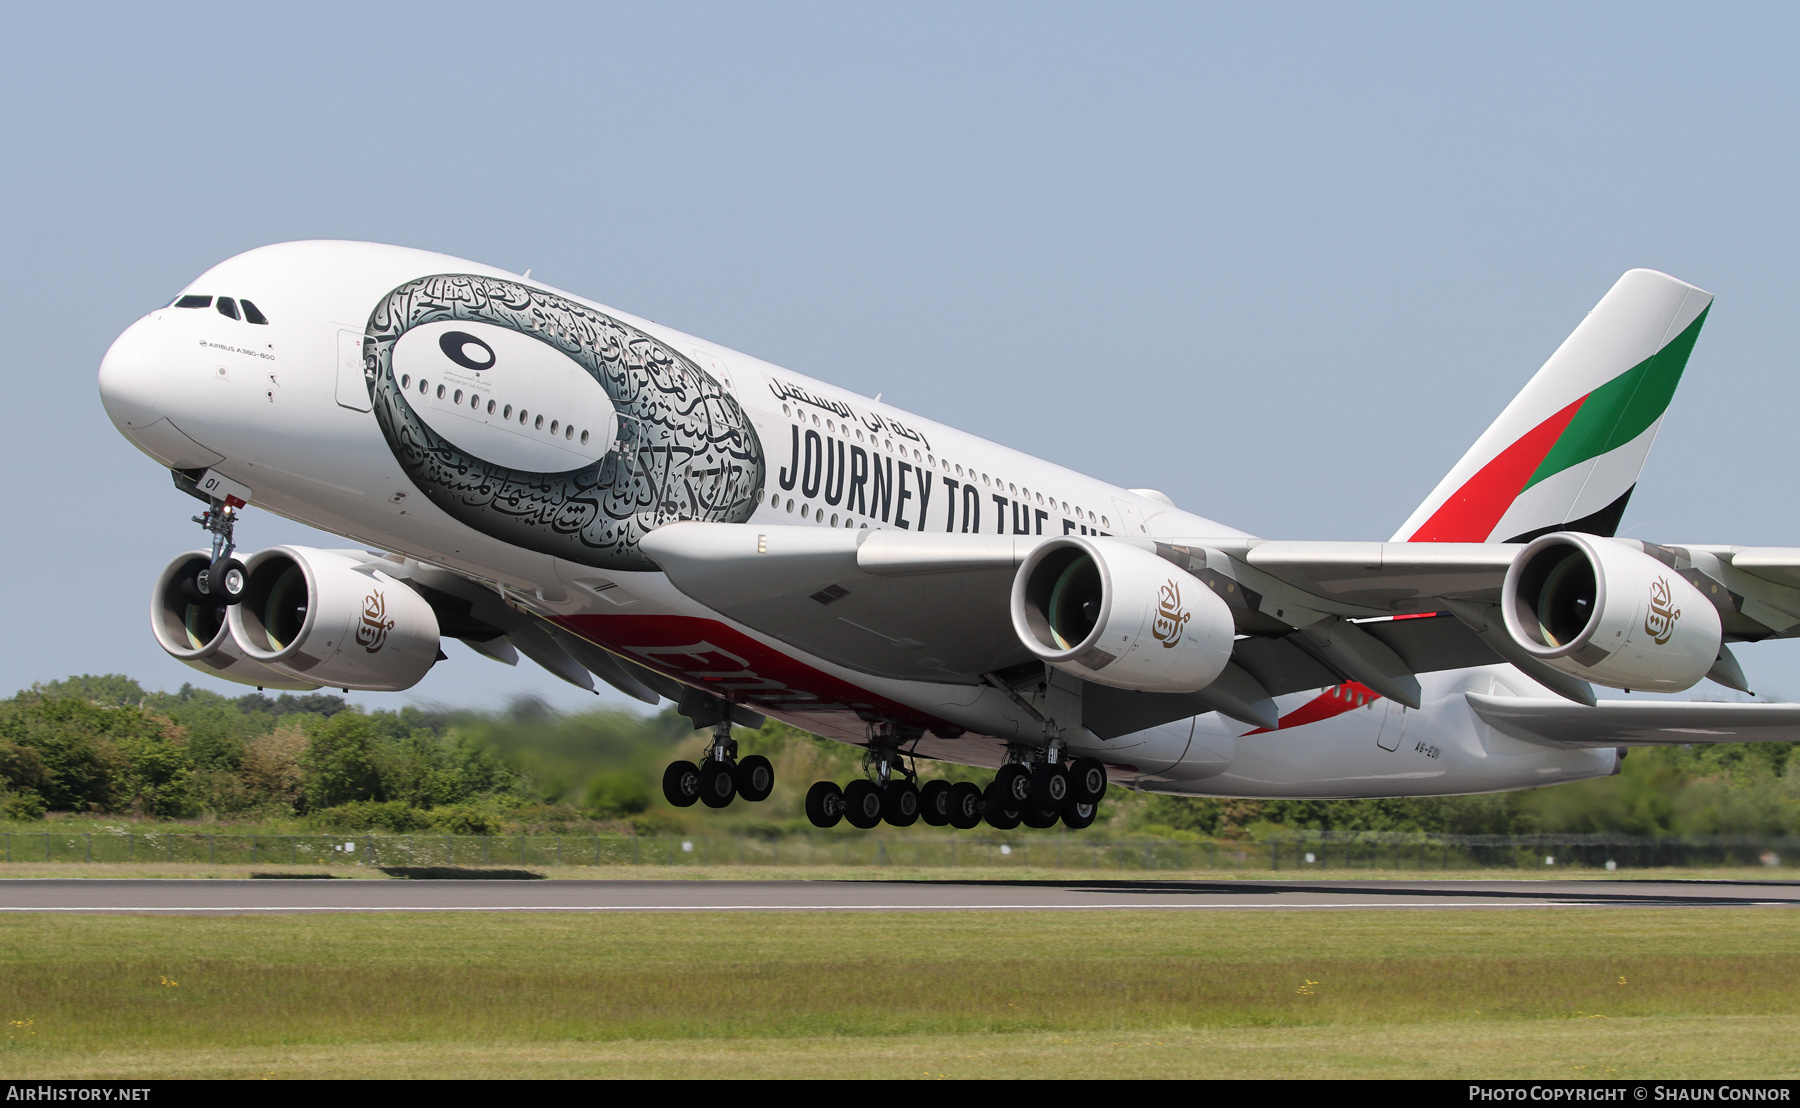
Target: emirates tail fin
(1566, 453)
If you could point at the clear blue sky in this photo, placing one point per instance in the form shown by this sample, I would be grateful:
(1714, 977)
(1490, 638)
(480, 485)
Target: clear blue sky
(1283, 262)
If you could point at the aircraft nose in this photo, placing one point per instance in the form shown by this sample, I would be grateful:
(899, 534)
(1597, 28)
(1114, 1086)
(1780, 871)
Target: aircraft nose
(131, 376)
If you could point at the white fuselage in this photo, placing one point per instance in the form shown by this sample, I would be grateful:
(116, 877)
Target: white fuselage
(280, 408)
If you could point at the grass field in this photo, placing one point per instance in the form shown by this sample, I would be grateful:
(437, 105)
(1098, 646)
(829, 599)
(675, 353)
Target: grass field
(1565, 993)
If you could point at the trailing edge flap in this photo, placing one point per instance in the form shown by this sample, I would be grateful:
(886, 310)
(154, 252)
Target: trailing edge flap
(1424, 645)
(1353, 579)
(1625, 723)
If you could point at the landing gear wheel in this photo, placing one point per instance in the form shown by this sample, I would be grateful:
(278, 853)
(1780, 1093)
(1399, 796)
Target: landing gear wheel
(194, 594)
(226, 580)
(1087, 782)
(755, 778)
(824, 804)
(999, 810)
(1077, 814)
(1040, 817)
(718, 786)
(862, 804)
(681, 784)
(900, 803)
(1049, 787)
(1014, 784)
(934, 803)
(965, 805)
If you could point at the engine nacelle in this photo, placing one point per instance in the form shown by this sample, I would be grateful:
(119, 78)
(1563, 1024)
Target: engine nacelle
(1108, 612)
(195, 633)
(324, 616)
(1599, 610)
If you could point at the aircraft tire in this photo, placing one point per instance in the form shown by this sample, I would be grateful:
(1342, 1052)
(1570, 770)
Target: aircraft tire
(1087, 781)
(755, 778)
(718, 785)
(1014, 783)
(1040, 817)
(226, 580)
(824, 804)
(965, 805)
(900, 803)
(998, 809)
(934, 803)
(1049, 787)
(862, 804)
(681, 784)
(1077, 814)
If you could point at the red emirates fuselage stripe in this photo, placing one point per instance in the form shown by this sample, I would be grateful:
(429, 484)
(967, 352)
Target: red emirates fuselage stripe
(1334, 701)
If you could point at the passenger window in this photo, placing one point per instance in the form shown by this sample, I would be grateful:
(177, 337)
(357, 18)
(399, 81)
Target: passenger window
(194, 302)
(228, 307)
(253, 314)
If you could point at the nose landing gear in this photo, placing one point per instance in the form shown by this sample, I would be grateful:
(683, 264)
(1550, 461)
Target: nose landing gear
(222, 581)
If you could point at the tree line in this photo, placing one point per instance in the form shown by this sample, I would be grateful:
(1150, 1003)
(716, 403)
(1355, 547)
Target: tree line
(104, 745)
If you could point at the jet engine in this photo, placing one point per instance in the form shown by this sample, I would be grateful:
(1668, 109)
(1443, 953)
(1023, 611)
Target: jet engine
(1108, 612)
(1602, 611)
(328, 616)
(193, 629)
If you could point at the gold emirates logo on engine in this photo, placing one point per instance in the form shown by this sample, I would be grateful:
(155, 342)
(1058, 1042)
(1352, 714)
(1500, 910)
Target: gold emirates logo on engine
(1659, 624)
(372, 633)
(1171, 617)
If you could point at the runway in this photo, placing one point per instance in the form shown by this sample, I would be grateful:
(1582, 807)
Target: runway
(291, 895)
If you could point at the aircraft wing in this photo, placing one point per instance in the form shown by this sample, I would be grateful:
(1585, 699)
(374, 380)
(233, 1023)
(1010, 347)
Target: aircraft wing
(1368, 578)
(924, 606)
(1646, 723)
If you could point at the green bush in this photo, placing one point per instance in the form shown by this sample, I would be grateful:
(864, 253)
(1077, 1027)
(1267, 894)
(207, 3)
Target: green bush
(21, 805)
(617, 793)
(394, 816)
(465, 819)
(339, 762)
(21, 768)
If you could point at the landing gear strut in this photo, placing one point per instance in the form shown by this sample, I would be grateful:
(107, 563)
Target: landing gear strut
(222, 581)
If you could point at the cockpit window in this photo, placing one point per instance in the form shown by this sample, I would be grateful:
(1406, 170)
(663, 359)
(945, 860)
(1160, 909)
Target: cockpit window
(194, 302)
(228, 307)
(252, 313)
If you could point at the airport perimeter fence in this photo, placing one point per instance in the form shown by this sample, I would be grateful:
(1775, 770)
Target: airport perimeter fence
(1299, 852)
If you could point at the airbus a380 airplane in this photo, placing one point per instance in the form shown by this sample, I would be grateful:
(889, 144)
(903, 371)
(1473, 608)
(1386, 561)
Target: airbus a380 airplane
(614, 498)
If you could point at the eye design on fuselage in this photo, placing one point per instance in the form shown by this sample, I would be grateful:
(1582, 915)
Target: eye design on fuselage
(466, 350)
(503, 458)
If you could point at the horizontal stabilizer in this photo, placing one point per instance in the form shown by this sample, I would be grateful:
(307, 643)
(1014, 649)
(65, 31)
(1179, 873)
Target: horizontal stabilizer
(1624, 723)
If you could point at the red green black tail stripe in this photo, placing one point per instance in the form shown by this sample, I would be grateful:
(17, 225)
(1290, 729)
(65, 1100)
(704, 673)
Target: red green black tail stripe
(1603, 420)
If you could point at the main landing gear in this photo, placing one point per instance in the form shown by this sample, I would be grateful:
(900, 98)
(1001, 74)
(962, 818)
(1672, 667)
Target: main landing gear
(721, 776)
(890, 794)
(1037, 793)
